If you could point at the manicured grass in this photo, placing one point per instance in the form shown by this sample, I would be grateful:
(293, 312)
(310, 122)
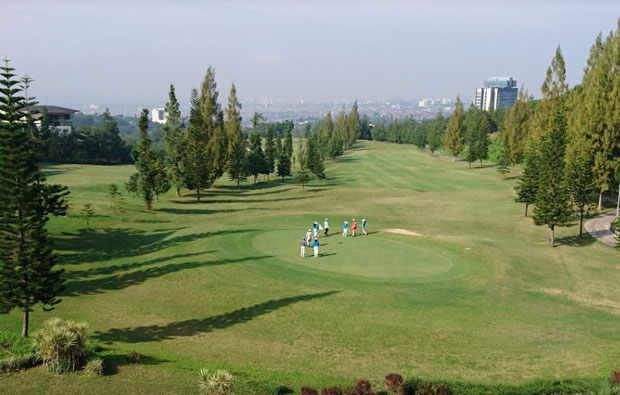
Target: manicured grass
(478, 296)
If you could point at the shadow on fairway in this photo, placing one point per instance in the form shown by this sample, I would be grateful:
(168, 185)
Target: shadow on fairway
(330, 254)
(121, 281)
(113, 361)
(575, 241)
(108, 270)
(210, 201)
(197, 326)
(114, 243)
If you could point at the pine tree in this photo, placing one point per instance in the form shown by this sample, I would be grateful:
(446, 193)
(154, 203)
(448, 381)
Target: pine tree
(288, 142)
(581, 183)
(314, 159)
(553, 206)
(353, 126)
(196, 159)
(213, 124)
(174, 138)
(601, 105)
(527, 185)
(284, 165)
(473, 118)
(270, 151)
(236, 143)
(454, 139)
(517, 127)
(143, 183)
(255, 162)
(162, 183)
(27, 263)
(482, 138)
(278, 147)
(554, 86)
(436, 133)
(502, 164)
(303, 175)
(337, 141)
(325, 131)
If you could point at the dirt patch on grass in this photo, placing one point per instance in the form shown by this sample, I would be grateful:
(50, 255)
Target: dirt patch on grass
(402, 232)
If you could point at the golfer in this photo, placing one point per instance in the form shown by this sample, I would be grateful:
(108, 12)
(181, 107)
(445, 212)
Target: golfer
(315, 227)
(353, 227)
(325, 227)
(303, 245)
(308, 237)
(316, 248)
(364, 226)
(345, 228)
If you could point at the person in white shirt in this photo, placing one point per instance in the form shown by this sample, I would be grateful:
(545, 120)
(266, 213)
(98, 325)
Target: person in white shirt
(308, 237)
(325, 227)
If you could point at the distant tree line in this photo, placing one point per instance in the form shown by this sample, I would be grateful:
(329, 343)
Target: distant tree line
(99, 143)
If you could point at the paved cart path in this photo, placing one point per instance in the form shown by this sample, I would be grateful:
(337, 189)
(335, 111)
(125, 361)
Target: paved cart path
(600, 227)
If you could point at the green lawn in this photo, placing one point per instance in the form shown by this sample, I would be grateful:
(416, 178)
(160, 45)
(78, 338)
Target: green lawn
(478, 294)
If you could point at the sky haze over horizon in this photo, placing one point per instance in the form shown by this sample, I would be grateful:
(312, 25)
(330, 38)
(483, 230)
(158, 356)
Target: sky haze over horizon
(102, 52)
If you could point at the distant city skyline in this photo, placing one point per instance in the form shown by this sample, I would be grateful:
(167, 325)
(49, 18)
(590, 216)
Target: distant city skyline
(101, 54)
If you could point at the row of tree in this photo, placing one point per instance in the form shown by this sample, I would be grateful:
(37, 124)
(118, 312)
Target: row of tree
(93, 144)
(212, 144)
(574, 138)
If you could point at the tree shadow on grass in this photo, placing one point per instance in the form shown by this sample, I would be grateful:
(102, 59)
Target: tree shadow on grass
(108, 270)
(201, 211)
(121, 281)
(186, 202)
(113, 361)
(197, 326)
(90, 245)
(575, 240)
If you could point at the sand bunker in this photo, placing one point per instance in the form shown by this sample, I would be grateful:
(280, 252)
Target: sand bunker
(402, 232)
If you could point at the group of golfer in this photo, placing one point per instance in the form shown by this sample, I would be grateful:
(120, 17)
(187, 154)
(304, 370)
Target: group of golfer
(313, 234)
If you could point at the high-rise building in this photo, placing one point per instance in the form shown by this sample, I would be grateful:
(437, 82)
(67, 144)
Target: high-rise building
(496, 92)
(158, 115)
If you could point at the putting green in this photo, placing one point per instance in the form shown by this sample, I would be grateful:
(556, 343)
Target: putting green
(380, 256)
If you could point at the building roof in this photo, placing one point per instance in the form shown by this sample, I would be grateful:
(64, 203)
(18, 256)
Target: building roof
(51, 110)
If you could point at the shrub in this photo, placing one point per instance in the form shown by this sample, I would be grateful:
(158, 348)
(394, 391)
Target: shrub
(331, 391)
(94, 367)
(394, 383)
(16, 352)
(133, 357)
(17, 363)
(61, 344)
(12, 344)
(363, 387)
(432, 389)
(219, 382)
(614, 378)
(309, 391)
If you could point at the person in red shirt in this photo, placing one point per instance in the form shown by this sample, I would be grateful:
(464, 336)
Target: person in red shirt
(354, 227)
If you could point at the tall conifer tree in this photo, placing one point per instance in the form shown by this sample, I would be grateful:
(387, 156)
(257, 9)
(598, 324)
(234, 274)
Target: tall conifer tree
(174, 138)
(270, 151)
(553, 207)
(527, 185)
(580, 182)
(236, 143)
(28, 275)
(454, 139)
(196, 159)
(482, 138)
(144, 183)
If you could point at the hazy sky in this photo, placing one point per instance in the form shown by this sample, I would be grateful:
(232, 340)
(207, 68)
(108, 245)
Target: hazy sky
(116, 51)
